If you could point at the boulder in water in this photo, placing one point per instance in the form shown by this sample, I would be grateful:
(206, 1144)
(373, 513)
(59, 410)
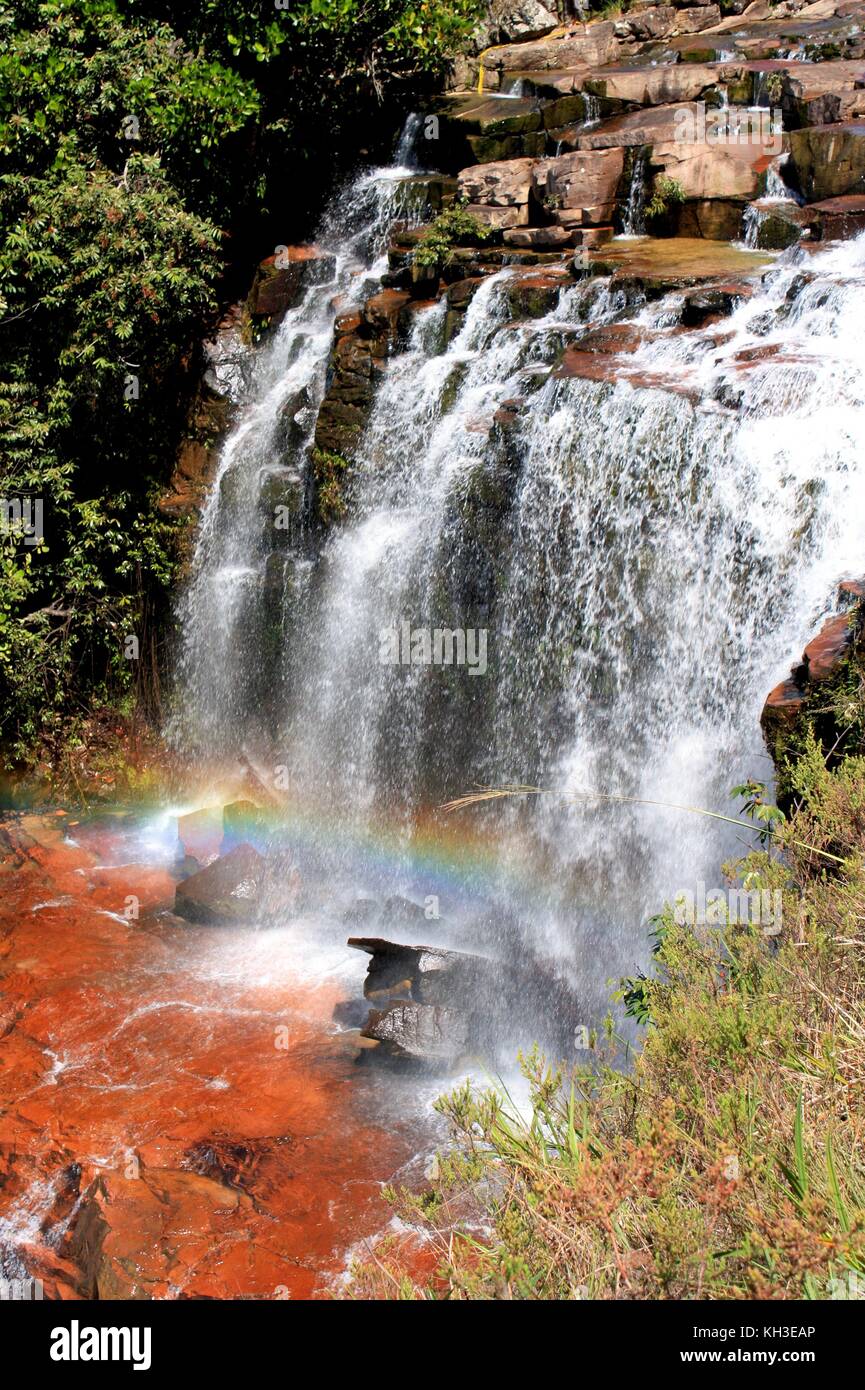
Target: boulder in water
(421, 1032)
(225, 893)
(492, 1000)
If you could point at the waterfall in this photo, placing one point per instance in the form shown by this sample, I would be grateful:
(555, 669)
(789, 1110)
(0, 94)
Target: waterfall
(633, 222)
(751, 223)
(405, 154)
(776, 191)
(591, 110)
(647, 554)
(245, 575)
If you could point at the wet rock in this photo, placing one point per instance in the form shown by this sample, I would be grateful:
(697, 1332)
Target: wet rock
(355, 371)
(423, 196)
(497, 148)
(282, 278)
(381, 316)
(430, 974)
(281, 498)
(563, 112)
(197, 455)
(837, 219)
(533, 295)
(225, 893)
(714, 300)
(829, 160)
(461, 292)
(483, 1001)
(781, 224)
(673, 263)
(611, 337)
(240, 1162)
(419, 1032)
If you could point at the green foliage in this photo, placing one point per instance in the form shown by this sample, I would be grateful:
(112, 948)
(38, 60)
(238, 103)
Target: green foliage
(456, 226)
(767, 816)
(329, 471)
(727, 1162)
(136, 136)
(666, 193)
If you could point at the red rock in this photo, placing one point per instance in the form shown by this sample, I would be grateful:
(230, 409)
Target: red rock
(143, 1099)
(823, 652)
(282, 278)
(838, 219)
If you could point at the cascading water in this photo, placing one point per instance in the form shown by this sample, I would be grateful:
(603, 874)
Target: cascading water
(634, 222)
(776, 191)
(405, 155)
(645, 554)
(245, 571)
(591, 110)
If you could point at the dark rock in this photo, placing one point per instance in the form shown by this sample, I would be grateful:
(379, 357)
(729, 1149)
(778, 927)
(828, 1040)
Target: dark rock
(225, 893)
(484, 1001)
(837, 219)
(420, 1032)
(709, 300)
(781, 224)
(283, 277)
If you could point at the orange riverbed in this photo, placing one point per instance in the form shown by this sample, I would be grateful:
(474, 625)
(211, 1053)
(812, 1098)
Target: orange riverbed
(178, 1116)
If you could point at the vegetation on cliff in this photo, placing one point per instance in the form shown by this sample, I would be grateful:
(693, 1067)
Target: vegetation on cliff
(144, 148)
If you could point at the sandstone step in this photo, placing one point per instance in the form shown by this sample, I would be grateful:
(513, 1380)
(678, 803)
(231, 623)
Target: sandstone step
(675, 262)
(282, 278)
(838, 219)
(534, 237)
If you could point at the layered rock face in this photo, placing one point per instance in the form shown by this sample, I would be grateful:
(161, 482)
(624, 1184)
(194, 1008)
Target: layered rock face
(664, 121)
